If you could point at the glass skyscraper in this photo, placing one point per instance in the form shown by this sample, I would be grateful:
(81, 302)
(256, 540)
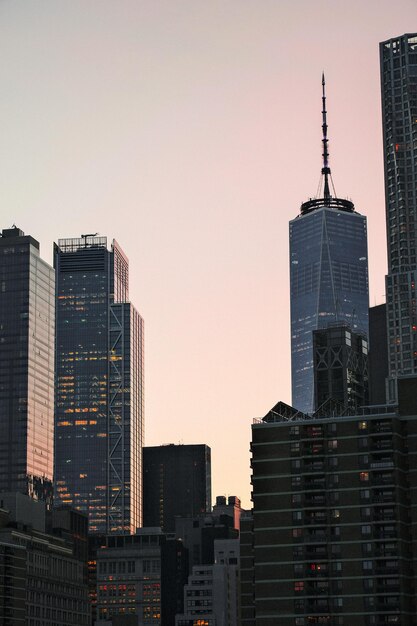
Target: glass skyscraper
(99, 417)
(328, 277)
(399, 118)
(27, 316)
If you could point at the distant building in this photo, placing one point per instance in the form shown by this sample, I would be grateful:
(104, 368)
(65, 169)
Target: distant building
(45, 565)
(247, 571)
(99, 386)
(140, 579)
(13, 581)
(378, 354)
(333, 516)
(129, 577)
(232, 508)
(176, 482)
(27, 316)
(340, 367)
(211, 596)
(328, 276)
(174, 576)
(398, 58)
(199, 533)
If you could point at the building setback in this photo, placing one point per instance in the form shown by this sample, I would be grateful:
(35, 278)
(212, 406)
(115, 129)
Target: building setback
(99, 386)
(328, 276)
(334, 521)
(26, 366)
(176, 482)
(398, 58)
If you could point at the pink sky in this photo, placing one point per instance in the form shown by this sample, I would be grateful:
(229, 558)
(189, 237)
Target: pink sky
(190, 132)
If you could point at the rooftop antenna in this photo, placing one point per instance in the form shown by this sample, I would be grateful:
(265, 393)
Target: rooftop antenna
(325, 169)
(85, 237)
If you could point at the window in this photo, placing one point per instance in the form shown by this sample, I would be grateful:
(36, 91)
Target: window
(364, 476)
(363, 425)
(299, 586)
(367, 565)
(366, 530)
(332, 444)
(297, 532)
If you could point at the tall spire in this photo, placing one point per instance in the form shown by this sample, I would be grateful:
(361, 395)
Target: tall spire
(326, 200)
(325, 169)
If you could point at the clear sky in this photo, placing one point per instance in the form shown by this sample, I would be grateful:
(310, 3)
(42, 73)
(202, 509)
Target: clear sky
(189, 130)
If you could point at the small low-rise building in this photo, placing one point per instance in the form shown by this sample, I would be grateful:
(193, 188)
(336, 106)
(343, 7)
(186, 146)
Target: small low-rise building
(211, 595)
(129, 578)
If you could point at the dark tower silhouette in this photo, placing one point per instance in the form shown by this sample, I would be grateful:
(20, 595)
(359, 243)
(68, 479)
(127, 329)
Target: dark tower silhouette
(399, 121)
(27, 316)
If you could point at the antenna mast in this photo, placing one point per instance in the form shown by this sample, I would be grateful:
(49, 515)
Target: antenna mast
(325, 169)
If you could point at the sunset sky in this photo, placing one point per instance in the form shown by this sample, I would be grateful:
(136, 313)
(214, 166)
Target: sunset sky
(189, 130)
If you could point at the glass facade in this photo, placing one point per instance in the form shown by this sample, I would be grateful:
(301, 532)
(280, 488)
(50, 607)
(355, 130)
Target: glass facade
(329, 284)
(27, 317)
(399, 117)
(99, 386)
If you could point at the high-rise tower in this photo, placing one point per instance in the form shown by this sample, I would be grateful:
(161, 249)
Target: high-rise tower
(328, 275)
(399, 118)
(99, 386)
(27, 316)
(176, 482)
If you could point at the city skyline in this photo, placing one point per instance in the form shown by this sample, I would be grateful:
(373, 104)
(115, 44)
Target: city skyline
(181, 120)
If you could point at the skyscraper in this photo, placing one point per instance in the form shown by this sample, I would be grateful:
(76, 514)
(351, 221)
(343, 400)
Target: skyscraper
(27, 316)
(99, 386)
(176, 482)
(399, 118)
(328, 275)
